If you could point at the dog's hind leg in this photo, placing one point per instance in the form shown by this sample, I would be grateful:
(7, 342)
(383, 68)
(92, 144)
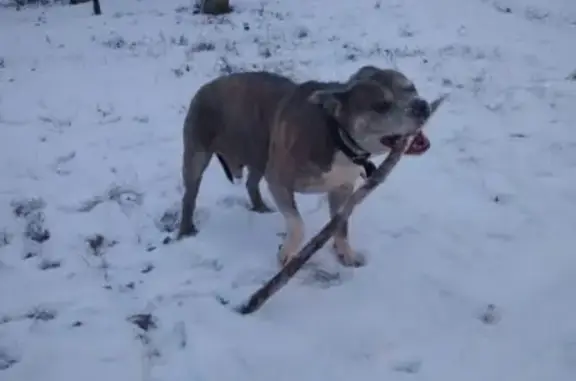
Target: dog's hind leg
(253, 188)
(194, 164)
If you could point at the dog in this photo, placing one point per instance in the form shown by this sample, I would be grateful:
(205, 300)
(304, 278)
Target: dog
(322, 136)
(231, 117)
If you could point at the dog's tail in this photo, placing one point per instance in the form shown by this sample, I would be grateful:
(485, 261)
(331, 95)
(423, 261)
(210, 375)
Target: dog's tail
(226, 168)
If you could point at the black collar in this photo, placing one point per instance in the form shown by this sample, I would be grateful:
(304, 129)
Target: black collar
(349, 147)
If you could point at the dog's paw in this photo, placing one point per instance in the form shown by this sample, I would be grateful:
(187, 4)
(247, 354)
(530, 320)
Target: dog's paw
(262, 209)
(283, 259)
(351, 259)
(283, 256)
(345, 255)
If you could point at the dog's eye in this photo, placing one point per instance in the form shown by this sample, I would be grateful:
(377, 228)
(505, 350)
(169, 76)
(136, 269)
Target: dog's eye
(381, 107)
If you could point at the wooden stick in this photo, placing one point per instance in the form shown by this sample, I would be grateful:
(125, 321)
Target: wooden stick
(287, 272)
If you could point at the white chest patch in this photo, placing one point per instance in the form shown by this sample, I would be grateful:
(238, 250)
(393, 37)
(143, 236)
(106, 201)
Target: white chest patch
(343, 172)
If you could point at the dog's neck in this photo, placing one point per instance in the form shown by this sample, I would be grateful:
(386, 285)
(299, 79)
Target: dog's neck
(348, 146)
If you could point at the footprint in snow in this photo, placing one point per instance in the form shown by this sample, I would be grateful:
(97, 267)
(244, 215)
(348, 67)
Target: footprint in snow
(7, 359)
(233, 201)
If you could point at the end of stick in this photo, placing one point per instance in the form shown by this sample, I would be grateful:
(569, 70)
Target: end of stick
(247, 307)
(436, 103)
(242, 309)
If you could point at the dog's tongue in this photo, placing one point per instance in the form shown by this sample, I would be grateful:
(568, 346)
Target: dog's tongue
(419, 145)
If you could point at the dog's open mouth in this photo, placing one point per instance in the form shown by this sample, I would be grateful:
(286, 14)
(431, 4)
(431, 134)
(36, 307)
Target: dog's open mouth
(420, 143)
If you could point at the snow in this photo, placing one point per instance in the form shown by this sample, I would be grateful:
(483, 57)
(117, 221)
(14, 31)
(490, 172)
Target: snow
(471, 271)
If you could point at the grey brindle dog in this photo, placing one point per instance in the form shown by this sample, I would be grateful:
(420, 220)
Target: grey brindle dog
(322, 137)
(230, 116)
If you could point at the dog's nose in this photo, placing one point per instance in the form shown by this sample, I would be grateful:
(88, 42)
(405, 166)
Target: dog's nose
(420, 109)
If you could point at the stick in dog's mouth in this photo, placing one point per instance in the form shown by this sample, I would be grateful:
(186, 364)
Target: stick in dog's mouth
(419, 144)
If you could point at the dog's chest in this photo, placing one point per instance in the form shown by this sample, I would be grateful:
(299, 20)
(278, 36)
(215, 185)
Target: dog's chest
(342, 172)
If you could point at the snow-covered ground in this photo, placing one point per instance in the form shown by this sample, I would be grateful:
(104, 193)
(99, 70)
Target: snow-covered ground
(471, 270)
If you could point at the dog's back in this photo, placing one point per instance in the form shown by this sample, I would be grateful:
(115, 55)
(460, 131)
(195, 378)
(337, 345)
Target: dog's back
(231, 116)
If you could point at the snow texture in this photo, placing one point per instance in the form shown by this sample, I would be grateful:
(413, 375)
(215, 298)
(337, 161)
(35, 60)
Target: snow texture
(471, 269)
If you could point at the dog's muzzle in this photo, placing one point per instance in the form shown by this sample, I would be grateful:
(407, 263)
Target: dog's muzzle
(420, 110)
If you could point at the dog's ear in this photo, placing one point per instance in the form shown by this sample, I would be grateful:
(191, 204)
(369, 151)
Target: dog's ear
(366, 72)
(331, 100)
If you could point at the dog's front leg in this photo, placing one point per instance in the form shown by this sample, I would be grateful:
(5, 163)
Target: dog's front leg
(344, 253)
(284, 199)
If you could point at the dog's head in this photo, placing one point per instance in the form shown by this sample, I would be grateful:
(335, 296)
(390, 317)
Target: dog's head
(376, 107)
